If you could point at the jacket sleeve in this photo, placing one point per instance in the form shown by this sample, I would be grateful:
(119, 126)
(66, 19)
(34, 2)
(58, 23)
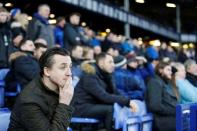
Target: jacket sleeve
(155, 100)
(34, 118)
(33, 30)
(93, 87)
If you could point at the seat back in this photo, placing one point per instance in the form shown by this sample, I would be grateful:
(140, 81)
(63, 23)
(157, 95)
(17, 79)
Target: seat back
(2, 93)
(4, 119)
(3, 73)
(193, 117)
(132, 124)
(146, 122)
(183, 117)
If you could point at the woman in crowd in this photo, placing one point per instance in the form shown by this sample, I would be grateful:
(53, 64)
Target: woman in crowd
(161, 98)
(186, 89)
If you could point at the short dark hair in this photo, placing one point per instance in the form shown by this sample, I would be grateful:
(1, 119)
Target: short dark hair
(60, 18)
(46, 60)
(40, 45)
(100, 56)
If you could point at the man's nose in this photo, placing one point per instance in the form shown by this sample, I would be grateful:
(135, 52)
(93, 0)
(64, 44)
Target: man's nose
(69, 72)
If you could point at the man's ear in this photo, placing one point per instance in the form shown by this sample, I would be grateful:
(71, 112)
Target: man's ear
(46, 71)
(101, 63)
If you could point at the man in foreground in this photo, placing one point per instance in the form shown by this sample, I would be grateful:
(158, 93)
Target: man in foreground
(43, 105)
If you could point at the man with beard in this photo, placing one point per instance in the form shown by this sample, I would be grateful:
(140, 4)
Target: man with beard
(161, 98)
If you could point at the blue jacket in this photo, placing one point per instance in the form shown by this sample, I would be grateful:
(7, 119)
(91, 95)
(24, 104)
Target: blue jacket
(59, 36)
(127, 84)
(187, 91)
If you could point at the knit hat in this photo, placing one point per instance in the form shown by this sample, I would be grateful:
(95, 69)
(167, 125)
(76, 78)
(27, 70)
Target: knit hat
(14, 11)
(151, 54)
(131, 59)
(120, 61)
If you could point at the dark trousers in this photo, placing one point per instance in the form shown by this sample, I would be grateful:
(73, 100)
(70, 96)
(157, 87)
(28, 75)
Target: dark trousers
(101, 111)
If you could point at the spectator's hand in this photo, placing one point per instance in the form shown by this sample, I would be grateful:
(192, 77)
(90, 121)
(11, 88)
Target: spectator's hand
(66, 92)
(133, 106)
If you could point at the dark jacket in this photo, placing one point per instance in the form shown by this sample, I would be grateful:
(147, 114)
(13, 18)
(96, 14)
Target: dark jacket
(71, 36)
(6, 46)
(161, 101)
(95, 88)
(192, 79)
(38, 109)
(24, 67)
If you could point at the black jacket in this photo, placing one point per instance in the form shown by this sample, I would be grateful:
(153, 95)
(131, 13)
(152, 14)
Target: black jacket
(6, 46)
(24, 67)
(38, 109)
(161, 101)
(71, 36)
(94, 88)
(192, 79)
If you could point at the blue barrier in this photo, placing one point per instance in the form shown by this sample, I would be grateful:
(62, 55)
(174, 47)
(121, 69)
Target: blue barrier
(186, 117)
(4, 118)
(193, 117)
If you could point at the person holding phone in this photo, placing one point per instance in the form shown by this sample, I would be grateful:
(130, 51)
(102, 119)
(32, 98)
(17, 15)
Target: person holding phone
(44, 104)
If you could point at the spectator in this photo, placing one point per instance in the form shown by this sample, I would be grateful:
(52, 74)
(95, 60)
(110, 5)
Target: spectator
(6, 46)
(77, 58)
(125, 81)
(24, 66)
(59, 31)
(19, 28)
(191, 71)
(71, 31)
(161, 98)
(44, 103)
(95, 93)
(186, 90)
(132, 66)
(14, 13)
(39, 26)
(39, 50)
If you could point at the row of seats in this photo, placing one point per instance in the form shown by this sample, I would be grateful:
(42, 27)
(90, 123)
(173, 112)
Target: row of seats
(134, 122)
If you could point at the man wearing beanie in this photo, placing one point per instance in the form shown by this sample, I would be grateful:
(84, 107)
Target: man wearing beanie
(125, 82)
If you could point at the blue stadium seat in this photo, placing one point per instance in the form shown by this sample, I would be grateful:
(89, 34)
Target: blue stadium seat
(132, 124)
(146, 122)
(183, 117)
(3, 73)
(4, 119)
(2, 93)
(83, 121)
(193, 117)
